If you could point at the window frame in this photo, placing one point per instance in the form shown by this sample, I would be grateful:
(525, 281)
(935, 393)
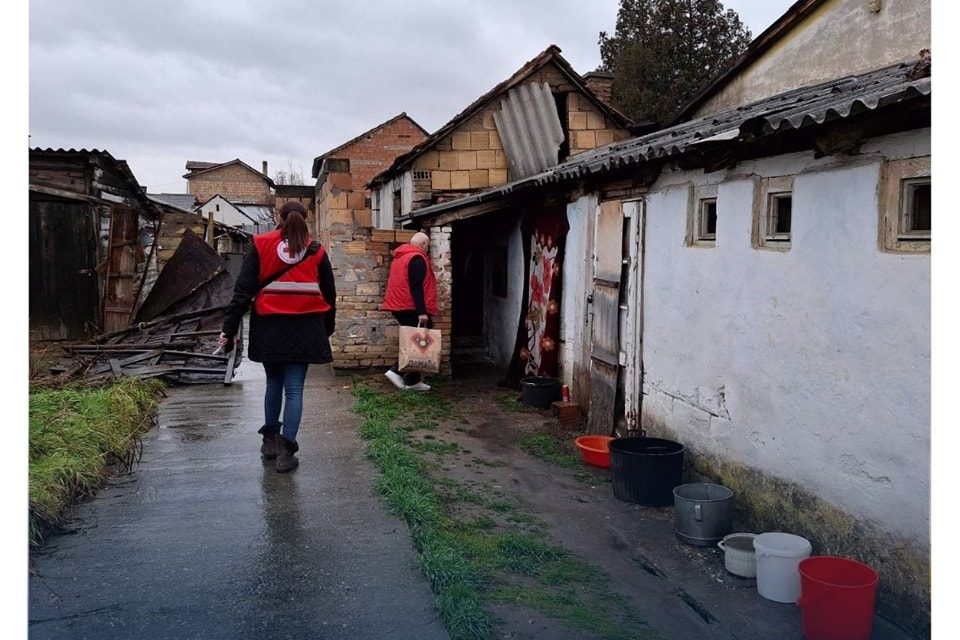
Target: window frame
(772, 217)
(696, 231)
(767, 191)
(896, 177)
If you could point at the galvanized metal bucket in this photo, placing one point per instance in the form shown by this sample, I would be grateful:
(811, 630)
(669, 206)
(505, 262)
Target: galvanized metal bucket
(701, 513)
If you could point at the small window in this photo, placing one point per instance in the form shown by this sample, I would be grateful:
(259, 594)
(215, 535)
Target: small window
(367, 203)
(707, 220)
(773, 213)
(702, 216)
(915, 209)
(779, 212)
(905, 205)
(421, 174)
(218, 207)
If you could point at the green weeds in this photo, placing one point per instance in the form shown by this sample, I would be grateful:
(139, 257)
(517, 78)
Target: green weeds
(469, 558)
(75, 435)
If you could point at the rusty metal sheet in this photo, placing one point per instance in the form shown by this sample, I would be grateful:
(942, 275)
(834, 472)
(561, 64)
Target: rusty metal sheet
(193, 264)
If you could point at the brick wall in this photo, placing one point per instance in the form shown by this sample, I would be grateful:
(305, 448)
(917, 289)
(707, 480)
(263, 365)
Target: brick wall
(471, 157)
(233, 182)
(588, 127)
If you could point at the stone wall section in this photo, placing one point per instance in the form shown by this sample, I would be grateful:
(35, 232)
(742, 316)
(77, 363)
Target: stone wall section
(233, 182)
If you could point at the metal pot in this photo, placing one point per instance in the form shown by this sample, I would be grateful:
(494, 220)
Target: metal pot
(701, 513)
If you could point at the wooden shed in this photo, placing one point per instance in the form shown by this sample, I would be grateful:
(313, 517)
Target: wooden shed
(92, 236)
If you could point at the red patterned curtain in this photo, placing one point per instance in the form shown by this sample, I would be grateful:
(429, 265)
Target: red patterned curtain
(537, 350)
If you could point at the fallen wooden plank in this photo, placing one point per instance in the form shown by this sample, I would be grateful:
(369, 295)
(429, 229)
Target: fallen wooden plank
(115, 367)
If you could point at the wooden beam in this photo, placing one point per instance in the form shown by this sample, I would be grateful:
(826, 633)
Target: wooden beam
(61, 193)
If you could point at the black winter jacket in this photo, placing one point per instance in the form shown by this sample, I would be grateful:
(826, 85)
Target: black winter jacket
(283, 337)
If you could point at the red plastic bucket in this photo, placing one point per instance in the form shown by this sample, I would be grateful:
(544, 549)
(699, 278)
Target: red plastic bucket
(836, 598)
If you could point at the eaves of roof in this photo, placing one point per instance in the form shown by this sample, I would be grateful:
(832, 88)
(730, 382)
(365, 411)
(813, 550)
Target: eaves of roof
(793, 110)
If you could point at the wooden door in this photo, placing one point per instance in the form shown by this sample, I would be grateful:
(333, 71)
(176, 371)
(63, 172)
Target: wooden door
(605, 327)
(120, 276)
(63, 282)
(631, 319)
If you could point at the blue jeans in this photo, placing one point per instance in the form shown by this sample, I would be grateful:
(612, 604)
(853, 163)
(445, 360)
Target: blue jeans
(285, 379)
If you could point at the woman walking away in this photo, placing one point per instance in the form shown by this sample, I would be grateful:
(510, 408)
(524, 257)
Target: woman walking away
(288, 278)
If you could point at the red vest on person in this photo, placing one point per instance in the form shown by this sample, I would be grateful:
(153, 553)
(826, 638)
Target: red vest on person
(298, 290)
(398, 297)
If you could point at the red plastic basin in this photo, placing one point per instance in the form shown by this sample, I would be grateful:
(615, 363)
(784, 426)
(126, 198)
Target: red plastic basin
(595, 450)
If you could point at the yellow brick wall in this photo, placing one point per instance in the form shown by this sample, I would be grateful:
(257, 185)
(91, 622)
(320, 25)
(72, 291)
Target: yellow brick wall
(588, 127)
(472, 157)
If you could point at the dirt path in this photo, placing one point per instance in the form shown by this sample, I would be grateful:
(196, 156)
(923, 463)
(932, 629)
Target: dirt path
(680, 590)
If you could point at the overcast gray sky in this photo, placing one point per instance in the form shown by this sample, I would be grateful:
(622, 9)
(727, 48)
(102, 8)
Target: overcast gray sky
(162, 82)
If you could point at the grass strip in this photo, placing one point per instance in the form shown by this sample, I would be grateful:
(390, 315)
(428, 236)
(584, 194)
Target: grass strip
(75, 435)
(496, 556)
(410, 494)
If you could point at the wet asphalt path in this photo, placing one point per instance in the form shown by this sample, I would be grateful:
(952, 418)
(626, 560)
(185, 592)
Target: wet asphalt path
(204, 540)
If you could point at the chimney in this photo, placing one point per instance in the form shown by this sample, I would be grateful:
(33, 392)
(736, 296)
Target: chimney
(601, 83)
(265, 168)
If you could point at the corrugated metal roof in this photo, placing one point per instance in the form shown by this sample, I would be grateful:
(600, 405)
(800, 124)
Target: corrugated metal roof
(257, 213)
(805, 107)
(529, 129)
(185, 201)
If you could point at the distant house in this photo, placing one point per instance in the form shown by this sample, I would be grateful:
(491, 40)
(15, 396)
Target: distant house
(92, 236)
(227, 240)
(225, 212)
(752, 282)
(235, 180)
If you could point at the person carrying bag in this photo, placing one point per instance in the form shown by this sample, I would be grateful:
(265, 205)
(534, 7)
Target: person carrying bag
(289, 281)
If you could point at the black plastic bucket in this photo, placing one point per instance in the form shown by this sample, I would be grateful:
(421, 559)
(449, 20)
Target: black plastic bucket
(539, 391)
(645, 470)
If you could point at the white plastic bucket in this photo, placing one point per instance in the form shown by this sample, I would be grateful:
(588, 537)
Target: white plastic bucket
(778, 555)
(739, 557)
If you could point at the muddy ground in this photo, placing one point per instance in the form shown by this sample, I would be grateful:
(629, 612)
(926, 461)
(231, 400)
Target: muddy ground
(682, 591)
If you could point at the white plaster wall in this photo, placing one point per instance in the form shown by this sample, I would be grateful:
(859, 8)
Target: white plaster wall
(503, 314)
(576, 284)
(811, 365)
(843, 37)
(228, 214)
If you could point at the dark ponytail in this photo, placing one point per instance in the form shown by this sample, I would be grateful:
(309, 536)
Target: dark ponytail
(293, 227)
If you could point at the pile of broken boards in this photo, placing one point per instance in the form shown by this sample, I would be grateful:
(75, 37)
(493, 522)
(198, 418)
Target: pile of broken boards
(175, 330)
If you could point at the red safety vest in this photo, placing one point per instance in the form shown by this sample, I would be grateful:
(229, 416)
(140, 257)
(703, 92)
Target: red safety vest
(398, 297)
(298, 290)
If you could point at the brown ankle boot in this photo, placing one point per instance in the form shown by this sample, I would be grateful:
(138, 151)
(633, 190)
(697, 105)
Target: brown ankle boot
(269, 447)
(286, 461)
